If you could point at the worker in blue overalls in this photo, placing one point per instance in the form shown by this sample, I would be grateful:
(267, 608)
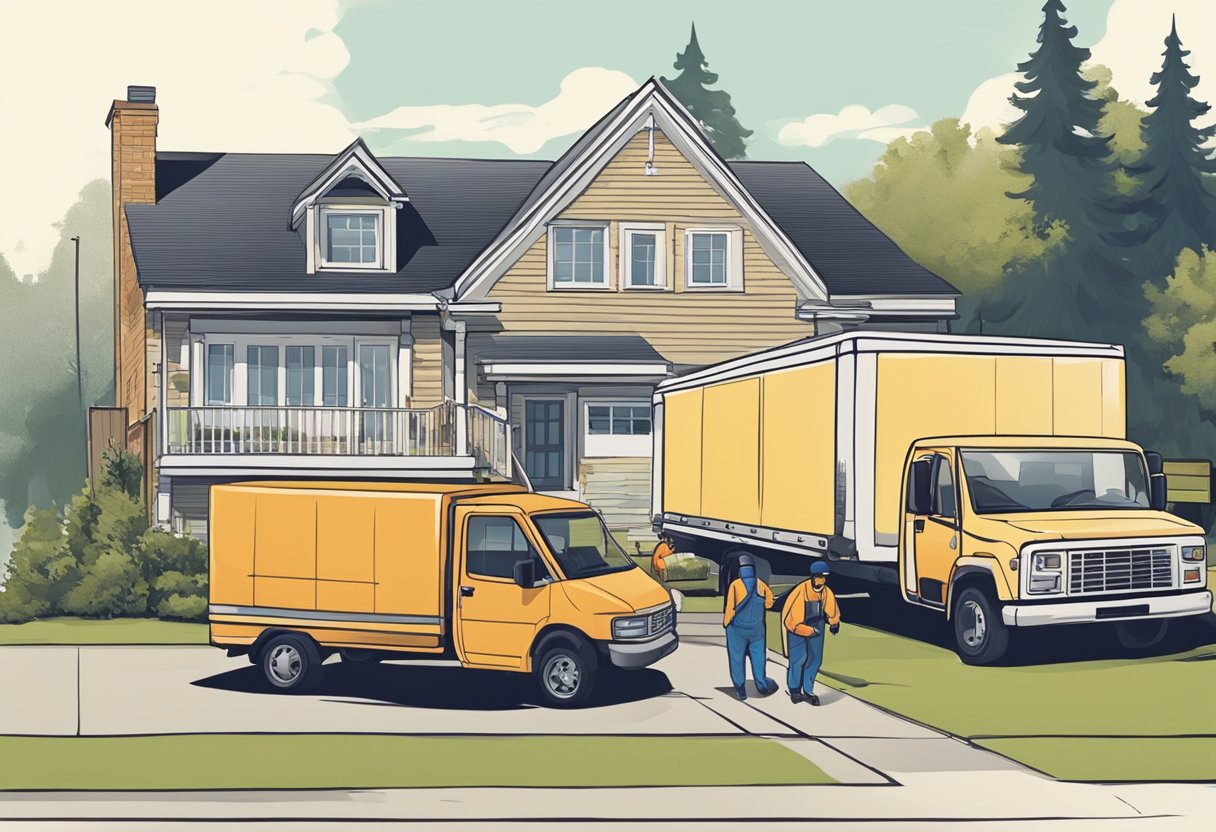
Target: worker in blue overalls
(747, 599)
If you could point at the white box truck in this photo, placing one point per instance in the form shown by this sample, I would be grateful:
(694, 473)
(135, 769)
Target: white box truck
(988, 478)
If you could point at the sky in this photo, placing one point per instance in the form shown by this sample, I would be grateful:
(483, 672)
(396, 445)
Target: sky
(828, 83)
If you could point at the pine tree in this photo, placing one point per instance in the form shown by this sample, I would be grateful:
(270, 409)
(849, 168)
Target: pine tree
(712, 108)
(1174, 199)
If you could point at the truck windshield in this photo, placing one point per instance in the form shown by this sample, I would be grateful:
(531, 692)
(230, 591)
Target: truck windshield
(582, 545)
(1011, 481)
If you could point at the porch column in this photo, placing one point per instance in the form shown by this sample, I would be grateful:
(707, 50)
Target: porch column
(197, 379)
(461, 391)
(405, 365)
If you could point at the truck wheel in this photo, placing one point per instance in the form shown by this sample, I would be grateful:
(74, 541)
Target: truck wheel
(1141, 635)
(355, 655)
(980, 635)
(566, 673)
(291, 662)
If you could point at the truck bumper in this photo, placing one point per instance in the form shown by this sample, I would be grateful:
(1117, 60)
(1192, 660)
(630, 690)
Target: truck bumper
(1088, 612)
(633, 656)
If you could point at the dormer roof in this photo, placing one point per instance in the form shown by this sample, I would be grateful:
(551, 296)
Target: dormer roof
(354, 168)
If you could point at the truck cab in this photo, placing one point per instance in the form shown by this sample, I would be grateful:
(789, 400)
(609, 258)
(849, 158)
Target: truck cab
(1002, 532)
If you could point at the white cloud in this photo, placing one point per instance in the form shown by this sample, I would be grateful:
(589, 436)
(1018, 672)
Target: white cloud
(852, 122)
(585, 95)
(230, 75)
(989, 105)
(1133, 43)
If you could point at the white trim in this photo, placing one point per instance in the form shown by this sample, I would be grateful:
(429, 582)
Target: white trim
(386, 237)
(889, 303)
(297, 327)
(355, 158)
(659, 230)
(810, 350)
(734, 259)
(613, 445)
(566, 371)
(551, 283)
(355, 467)
(650, 100)
(309, 301)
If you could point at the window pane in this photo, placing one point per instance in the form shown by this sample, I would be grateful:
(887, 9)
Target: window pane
(334, 376)
(375, 389)
(578, 255)
(301, 364)
(495, 544)
(351, 238)
(218, 390)
(263, 375)
(642, 256)
(707, 259)
(599, 420)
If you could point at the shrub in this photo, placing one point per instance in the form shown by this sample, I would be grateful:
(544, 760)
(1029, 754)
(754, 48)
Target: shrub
(123, 472)
(110, 588)
(687, 569)
(40, 569)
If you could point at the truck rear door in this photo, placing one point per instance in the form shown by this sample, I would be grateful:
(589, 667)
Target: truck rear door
(496, 619)
(931, 542)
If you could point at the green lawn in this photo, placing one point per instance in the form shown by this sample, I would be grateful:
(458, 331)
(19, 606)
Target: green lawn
(113, 631)
(311, 761)
(1118, 714)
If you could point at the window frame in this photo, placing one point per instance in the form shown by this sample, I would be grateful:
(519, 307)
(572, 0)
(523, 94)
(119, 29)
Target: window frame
(616, 444)
(522, 528)
(733, 259)
(229, 350)
(627, 232)
(384, 249)
(553, 284)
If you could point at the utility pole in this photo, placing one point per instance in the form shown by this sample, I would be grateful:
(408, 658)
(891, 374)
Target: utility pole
(79, 367)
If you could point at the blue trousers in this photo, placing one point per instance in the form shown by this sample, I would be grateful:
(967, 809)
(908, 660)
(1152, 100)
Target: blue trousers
(744, 642)
(806, 655)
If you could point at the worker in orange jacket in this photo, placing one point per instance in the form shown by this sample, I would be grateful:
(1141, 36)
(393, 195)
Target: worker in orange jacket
(662, 552)
(747, 599)
(809, 609)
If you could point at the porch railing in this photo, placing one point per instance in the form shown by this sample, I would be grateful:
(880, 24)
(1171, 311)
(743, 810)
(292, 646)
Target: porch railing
(351, 431)
(489, 437)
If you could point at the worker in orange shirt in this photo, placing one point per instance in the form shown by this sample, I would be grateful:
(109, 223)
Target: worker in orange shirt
(747, 598)
(809, 609)
(664, 550)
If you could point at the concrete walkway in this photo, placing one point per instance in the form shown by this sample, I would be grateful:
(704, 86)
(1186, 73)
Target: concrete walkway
(894, 773)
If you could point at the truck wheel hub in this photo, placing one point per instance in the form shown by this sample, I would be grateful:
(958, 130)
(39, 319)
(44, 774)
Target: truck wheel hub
(285, 663)
(562, 675)
(975, 627)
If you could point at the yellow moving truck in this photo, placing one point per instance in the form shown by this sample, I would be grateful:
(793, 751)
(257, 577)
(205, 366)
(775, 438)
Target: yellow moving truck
(987, 478)
(491, 576)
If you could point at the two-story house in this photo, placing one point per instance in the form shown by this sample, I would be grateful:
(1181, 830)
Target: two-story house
(348, 315)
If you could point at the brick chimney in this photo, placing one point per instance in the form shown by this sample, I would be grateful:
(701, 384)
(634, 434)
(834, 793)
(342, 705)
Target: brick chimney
(132, 124)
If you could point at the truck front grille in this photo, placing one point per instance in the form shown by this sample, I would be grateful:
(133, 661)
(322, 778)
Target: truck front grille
(662, 621)
(1116, 570)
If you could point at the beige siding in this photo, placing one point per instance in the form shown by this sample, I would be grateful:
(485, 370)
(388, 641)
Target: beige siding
(619, 487)
(428, 361)
(687, 327)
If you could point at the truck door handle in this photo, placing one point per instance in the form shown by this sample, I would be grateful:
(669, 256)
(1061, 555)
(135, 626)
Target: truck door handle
(467, 591)
(919, 525)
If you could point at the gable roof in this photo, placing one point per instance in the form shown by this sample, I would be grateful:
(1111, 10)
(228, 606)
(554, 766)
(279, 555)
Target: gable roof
(218, 223)
(354, 160)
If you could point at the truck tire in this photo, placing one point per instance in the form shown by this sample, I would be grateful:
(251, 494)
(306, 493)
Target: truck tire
(357, 655)
(565, 672)
(980, 635)
(1141, 635)
(291, 662)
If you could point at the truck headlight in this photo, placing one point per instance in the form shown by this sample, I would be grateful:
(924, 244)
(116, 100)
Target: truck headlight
(1046, 575)
(1198, 553)
(634, 627)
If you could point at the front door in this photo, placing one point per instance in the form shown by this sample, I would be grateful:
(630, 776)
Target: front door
(932, 542)
(496, 619)
(545, 443)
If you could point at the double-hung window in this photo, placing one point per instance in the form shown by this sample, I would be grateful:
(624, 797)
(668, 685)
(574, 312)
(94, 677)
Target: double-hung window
(643, 256)
(578, 256)
(263, 375)
(617, 429)
(713, 259)
(352, 239)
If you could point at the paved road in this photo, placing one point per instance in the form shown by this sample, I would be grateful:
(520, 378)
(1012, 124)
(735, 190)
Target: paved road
(894, 773)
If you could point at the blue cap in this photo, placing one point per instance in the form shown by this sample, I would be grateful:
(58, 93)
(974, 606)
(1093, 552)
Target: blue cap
(819, 568)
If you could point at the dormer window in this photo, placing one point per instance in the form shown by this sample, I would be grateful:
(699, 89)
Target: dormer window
(353, 239)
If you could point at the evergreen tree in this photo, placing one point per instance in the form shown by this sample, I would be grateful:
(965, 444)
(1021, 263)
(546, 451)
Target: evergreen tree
(1174, 199)
(712, 108)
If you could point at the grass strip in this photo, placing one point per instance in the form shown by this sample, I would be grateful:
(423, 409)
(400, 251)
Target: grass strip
(1108, 759)
(68, 630)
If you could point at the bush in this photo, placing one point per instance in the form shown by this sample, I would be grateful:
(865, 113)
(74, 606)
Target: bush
(100, 559)
(687, 569)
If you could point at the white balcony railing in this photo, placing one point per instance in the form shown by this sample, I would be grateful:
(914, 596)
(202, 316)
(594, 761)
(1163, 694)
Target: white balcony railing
(343, 431)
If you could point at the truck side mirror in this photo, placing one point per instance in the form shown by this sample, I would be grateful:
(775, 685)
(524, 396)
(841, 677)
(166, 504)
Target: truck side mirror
(524, 573)
(1156, 465)
(1157, 496)
(920, 487)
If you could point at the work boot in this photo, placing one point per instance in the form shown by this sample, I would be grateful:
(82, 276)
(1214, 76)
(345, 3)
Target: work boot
(770, 687)
(741, 692)
(796, 697)
(812, 698)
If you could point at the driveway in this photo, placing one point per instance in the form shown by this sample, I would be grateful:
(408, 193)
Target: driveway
(890, 769)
